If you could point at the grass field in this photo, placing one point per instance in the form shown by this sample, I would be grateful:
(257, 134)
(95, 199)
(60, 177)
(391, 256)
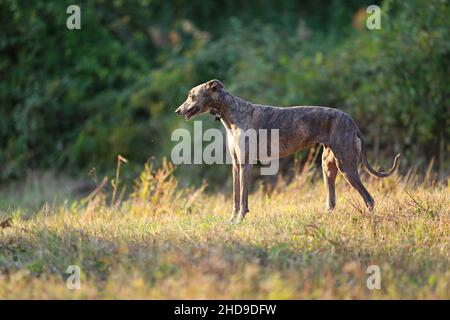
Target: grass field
(164, 243)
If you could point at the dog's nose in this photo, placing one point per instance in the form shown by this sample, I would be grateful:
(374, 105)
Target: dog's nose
(177, 112)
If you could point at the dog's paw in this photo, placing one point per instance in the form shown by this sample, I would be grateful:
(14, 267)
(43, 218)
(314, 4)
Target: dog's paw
(231, 220)
(233, 216)
(240, 217)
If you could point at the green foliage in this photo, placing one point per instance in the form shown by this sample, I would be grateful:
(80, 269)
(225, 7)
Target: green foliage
(76, 99)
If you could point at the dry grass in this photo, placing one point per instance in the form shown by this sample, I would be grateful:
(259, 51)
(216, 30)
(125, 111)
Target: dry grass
(165, 243)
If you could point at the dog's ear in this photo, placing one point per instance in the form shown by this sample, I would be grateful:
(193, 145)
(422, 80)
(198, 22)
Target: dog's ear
(214, 85)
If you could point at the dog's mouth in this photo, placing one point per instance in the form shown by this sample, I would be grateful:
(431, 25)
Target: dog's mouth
(191, 112)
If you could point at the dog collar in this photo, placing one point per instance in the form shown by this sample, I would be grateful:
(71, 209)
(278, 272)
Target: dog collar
(216, 114)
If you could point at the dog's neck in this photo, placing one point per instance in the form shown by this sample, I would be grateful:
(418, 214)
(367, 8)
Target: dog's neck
(232, 109)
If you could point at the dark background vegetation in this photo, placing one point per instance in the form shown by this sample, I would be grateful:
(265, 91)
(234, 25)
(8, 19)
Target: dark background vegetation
(73, 100)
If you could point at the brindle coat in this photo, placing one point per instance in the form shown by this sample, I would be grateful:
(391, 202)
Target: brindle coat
(299, 127)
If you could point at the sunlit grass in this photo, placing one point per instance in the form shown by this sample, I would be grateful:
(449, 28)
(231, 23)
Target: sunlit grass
(165, 242)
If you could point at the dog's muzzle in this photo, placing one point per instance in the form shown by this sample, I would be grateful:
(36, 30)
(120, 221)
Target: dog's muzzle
(179, 111)
(187, 113)
(191, 112)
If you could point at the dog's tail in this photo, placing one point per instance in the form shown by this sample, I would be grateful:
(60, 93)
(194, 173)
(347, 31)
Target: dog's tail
(369, 168)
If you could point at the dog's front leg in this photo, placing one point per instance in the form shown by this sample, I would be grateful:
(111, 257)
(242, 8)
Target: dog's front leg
(236, 191)
(244, 179)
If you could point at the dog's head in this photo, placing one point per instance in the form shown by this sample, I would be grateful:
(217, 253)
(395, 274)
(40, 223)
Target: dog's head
(200, 99)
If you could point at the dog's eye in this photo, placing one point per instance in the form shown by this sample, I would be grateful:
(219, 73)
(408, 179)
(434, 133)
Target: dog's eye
(192, 96)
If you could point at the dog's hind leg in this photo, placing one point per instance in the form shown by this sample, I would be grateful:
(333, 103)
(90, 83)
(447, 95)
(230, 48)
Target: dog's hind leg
(330, 171)
(347, 153)
(350, 172)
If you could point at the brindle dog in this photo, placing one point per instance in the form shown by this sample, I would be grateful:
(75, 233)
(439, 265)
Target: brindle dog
(299, 127)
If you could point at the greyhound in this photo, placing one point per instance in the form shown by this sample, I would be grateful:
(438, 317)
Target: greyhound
(298, 127)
